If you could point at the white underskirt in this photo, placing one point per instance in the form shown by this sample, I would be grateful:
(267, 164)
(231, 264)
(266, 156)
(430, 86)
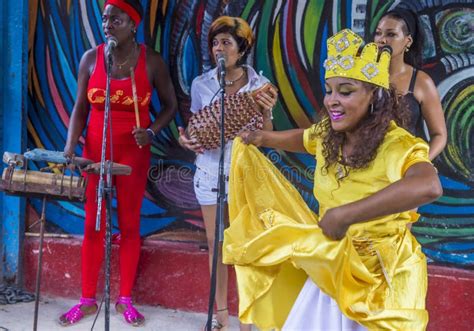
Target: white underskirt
(314, 310)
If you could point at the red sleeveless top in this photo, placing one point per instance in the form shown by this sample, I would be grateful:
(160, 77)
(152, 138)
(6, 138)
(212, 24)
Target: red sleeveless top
(121, 100)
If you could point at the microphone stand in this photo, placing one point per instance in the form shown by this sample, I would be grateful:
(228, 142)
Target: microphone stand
(219, 228)
(106, 190)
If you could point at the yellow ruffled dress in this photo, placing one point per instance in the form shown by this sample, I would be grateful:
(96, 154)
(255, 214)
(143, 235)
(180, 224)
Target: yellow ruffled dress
(377, 273)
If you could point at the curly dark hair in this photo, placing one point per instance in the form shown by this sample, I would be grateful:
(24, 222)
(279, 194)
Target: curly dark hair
(371, 131)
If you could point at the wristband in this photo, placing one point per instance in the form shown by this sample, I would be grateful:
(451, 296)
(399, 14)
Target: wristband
(151, 134)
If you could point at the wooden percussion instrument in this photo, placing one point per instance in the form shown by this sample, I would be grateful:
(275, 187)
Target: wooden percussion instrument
(20, 181)
(54, 185)
(242, 113)
(17, 180)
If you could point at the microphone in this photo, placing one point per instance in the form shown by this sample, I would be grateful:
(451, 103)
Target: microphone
(111, 45)
(386, 48)
(220, 58)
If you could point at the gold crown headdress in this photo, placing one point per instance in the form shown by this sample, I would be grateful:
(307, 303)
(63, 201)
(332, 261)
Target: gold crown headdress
(343, 60)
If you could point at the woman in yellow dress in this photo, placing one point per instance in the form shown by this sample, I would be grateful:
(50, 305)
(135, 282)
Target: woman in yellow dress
(357, 253)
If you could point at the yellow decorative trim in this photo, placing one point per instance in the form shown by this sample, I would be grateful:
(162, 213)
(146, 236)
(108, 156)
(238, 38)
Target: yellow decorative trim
(343, 60)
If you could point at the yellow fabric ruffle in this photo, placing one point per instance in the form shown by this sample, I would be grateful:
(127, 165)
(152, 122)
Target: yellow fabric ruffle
(377, 273)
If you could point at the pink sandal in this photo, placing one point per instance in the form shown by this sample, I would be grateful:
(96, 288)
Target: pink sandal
(130, 313)
(75, 314)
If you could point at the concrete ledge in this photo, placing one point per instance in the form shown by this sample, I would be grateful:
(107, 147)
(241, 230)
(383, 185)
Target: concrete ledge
(170, 274)
(176, 275)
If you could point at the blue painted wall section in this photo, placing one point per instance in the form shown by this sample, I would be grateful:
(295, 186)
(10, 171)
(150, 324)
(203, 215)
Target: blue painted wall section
(2, 83)
(14, 75)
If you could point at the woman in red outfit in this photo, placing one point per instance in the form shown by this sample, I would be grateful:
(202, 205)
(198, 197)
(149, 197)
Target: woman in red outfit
(130, 145)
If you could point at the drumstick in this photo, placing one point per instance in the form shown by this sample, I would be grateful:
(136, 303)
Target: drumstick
(135, 99)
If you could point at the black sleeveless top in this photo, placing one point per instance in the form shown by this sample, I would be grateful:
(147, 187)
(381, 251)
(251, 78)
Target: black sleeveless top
(415, 126)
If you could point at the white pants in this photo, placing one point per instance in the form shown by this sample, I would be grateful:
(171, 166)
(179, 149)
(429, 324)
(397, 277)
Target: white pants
(314, 310)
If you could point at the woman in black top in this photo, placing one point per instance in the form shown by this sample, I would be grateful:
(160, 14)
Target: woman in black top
(400, 30)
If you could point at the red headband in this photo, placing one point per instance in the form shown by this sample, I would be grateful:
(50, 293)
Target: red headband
(125, 7)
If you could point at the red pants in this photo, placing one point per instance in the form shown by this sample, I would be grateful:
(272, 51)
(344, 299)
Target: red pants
(129, 193)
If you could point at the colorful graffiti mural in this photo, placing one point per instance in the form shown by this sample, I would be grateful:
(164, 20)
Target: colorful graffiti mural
(290, 47)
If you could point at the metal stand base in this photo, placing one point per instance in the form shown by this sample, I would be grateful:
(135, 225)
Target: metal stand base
(42, 222)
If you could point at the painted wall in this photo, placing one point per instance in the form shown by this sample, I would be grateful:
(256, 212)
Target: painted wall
(289, 51)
